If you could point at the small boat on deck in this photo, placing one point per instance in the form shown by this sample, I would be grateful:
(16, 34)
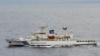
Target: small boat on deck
(51, 39)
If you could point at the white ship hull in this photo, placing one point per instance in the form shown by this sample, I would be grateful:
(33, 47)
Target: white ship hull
(50, 43)
(59, 43)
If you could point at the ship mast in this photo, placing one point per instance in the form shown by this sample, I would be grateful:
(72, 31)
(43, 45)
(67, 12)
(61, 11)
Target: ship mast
(65, 29)
(42, 28)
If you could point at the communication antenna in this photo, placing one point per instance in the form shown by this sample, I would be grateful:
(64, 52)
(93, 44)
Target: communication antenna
(42, 28)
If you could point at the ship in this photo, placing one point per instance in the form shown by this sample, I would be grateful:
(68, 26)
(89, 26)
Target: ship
(50, 39)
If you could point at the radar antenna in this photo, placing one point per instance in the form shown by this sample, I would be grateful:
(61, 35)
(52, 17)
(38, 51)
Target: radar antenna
(64, 28)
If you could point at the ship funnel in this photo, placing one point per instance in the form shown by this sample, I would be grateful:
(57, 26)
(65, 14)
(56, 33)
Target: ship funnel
(51, 34)
(51, 31)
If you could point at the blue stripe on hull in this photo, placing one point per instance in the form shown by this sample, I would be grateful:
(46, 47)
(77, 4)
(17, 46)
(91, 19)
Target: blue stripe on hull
(25, 43)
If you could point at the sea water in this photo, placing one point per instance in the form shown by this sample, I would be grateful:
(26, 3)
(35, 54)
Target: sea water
(21, 20)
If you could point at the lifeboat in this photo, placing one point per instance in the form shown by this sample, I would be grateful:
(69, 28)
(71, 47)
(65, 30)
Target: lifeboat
(51, 36)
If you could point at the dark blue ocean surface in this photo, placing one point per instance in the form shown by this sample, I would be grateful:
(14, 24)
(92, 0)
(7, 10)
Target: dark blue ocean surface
(82, 20)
